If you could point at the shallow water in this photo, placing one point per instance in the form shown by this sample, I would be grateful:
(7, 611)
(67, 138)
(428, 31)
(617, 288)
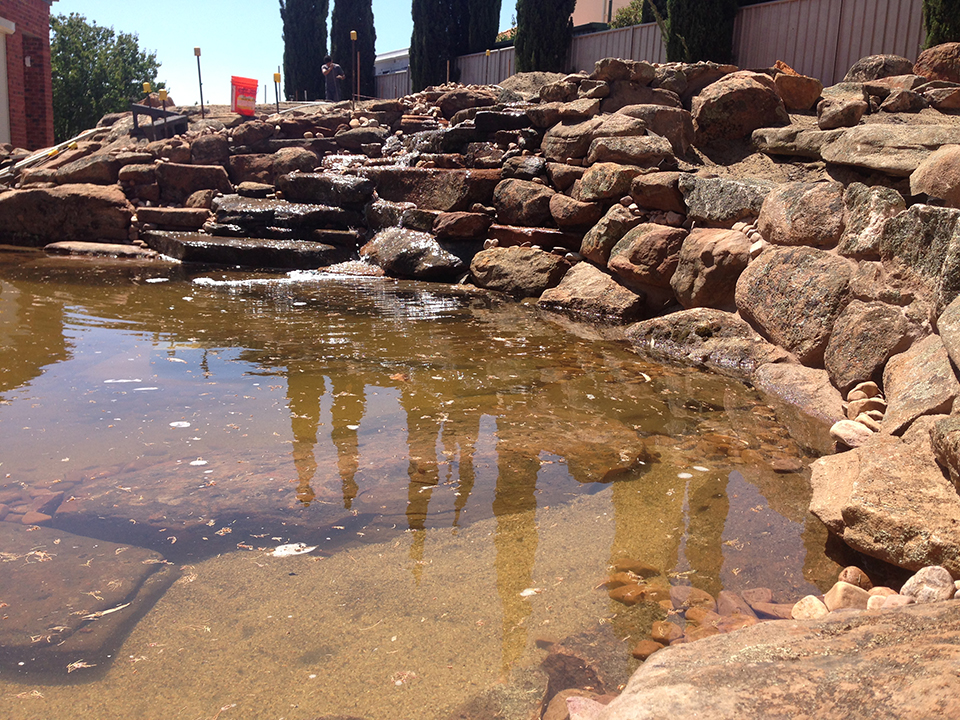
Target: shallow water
(444, 451)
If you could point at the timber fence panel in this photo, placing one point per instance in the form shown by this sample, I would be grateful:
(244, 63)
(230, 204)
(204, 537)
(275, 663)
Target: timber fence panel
(393, 85)
(639, 42)
(872, 27)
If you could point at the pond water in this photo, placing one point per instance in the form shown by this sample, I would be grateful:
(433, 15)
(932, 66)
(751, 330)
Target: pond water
(466, 468)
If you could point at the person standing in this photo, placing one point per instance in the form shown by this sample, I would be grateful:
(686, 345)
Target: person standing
(333, 74)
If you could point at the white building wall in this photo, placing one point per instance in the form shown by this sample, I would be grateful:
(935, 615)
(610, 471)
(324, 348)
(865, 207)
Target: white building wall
(6, 28)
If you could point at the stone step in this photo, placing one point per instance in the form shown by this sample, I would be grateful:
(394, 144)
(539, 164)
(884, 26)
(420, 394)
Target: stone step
(174, 218)
(99, 249)
(256, 213)
(246, 252)
(546, 238)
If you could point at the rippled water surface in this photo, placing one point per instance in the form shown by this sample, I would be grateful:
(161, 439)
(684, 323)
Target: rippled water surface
(466, 468)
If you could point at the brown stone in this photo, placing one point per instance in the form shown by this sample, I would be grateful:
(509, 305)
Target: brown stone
(587, 291)
(645, 648)
(570, 213)
(845, 595)
(798, 92)
(809, 608)
(941, 62)
(39, 216)
(658, 191)
(918, 382)
(800, 213)
(735, 106)
(647, 255)
(606, 181)
(709, 264)
(685, 596)
(462, 225)
(938, 176)
(432, 189)
(665, 632)
(627, 594)
(602, 237)
(518, 271)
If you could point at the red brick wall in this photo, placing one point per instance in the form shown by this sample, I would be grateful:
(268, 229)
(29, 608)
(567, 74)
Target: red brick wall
(30, 88)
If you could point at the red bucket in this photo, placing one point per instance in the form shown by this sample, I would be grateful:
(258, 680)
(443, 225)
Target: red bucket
(244, 95)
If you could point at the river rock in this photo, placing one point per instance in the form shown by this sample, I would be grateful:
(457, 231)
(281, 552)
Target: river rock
(889, 499)
(850, 433)
(844, 595)
(874, 67)
(639, 150)
(326, 189)
(675, 124)
(892, 149)
(521, 202)
(58, 589)
(518, 271)
(607, 181)
(704, 337)
(569, 139)
(602, 237)
(434, 189)
(918, 382)
(647, 255)
(178, 181)
(941, 62)
(413, 255)
(864, 337)
(721, 201)
(588, 291)
(938, 176)
(866, 210)
(710, 263)
(809, 608)
(800, 213)
(805, 401)
(89, 213)
(794, 295)
(774, 668)
(929, 584)
(735, 106)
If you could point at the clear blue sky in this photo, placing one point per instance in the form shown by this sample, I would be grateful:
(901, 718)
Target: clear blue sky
(238, 37)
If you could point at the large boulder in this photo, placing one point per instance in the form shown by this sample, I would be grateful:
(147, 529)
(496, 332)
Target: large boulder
(938, 176)
(889, 499)
(452, 102)
(874, 67)
(326, 189)
(179, 181)
(607, 181)
(213, 149)
(639, 150)
(722, 201)
(91, 213)
(429, 188)
(918, 382)
(704, 337)
(892, 149)
(801, 213)
(658, 191)
(412, 255)
(735, 106)
(794, 295)
(522, 202)
(941, 62)
(864, 337)
(710, 262)
(945, 441)
(569, 139)
(798, 92)
(647, 255)
(518, 271)
(773, 669)
(588, 291)
(675, 124)
(601, 238)
(629, 92)
(866, 210)
(93, 169)
(570, 213)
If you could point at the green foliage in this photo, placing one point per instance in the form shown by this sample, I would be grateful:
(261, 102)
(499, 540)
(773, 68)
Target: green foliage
(544, 31)
(304, 46)
(446, 29)
(941, 20)
(700, 30)
(354, 15)
(95, 72)
(639, 12)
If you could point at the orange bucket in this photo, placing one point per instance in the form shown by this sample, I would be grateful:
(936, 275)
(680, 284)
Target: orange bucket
(244, 95)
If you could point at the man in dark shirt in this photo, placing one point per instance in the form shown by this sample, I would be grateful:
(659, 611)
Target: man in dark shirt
(333, 74)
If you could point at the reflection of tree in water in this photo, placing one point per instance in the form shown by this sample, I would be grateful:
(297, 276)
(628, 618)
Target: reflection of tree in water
(31, 334)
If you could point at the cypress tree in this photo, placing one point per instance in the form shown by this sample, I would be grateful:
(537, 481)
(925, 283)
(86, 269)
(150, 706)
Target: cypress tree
(941, 19)
(483, 24)
(354, 15)
(700, 30)
(304, 45)
(430, 43)
(544, 31)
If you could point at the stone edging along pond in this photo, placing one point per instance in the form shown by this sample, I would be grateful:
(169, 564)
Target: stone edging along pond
(800, 238)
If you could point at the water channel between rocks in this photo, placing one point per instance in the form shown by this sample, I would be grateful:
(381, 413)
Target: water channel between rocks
(467, 468)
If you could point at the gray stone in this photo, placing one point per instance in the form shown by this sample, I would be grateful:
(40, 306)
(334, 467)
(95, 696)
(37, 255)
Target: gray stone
(892, 149)
(413, 255)
(874, 67)
(929, 584)
(918, 382)
(252, 252)
(794, 295)
(864, 337)
(866, 210)
(835, 113)
(722, 202)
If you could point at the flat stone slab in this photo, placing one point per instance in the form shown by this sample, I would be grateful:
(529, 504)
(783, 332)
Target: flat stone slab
(245, 252)
(99, 249)
(175, 218)
(893, 149)
(67, 598)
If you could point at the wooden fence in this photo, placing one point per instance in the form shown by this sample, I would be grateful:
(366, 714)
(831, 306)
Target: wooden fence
(820, 38)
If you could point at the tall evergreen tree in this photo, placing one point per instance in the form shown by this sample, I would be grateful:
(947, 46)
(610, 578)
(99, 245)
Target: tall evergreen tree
(304, 46)
(354, 15)
(544, 31)
(430, 44)
(700, 30)
(941, 20)
(483, 24)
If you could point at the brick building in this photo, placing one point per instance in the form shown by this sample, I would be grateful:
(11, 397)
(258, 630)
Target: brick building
(26, 96)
